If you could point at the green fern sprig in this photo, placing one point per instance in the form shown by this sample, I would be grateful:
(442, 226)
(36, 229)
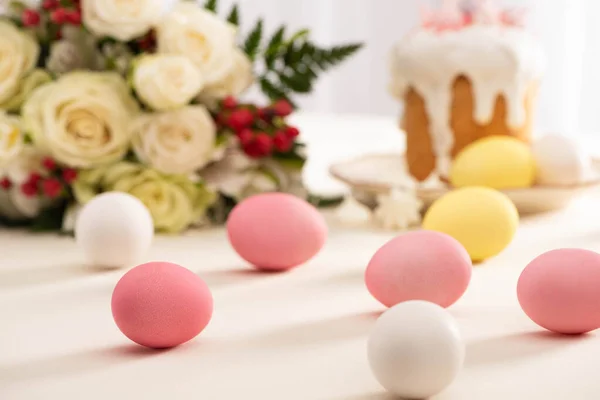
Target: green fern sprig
(289, 64)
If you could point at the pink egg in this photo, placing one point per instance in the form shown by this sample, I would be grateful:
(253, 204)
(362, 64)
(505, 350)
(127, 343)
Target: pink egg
(161, 305)
(421, 265)
(276, 231)
(560, 291)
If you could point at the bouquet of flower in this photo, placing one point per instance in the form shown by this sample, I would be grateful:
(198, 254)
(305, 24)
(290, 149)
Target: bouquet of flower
(143, 97)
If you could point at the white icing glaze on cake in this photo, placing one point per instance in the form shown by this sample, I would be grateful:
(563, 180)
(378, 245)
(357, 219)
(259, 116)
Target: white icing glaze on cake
(497, 60)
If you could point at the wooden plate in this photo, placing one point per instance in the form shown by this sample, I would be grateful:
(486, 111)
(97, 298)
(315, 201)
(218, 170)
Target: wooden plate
(375, 174)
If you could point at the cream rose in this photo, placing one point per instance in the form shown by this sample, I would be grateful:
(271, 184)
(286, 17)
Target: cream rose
(11, 138)
(174, 201)
(176, 142)
(166, 81)
(200, 35)
(123, 20)
(83, 119)
(239, 78)
(19, 53)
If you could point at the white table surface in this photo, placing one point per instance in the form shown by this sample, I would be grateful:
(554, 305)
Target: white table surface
(299, 335)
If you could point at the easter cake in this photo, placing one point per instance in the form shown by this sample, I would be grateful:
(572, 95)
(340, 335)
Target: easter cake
(469, 71)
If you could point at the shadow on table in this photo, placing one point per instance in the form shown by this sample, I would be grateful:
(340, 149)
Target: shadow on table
(44, 274)
(371, 396)
(78, 363)
(226, 277)
(327, 330)
(507, 348)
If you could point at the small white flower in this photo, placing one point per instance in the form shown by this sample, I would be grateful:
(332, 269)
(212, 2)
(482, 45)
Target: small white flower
(205, 38)
(166, 81)
(353, 213)
(123, 20)
(76, 51)
(398, 210)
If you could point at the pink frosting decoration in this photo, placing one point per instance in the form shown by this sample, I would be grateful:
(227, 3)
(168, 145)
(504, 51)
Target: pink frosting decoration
(161, 305)
(421, 265)
(276, 231)
(560, 291)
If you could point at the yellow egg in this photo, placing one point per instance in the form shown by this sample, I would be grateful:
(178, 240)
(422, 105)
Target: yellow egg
(499, 162)
(483, 220)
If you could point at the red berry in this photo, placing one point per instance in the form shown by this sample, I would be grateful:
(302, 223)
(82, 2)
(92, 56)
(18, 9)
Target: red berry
(34, 178)
(59, 16)
(240, 119)
(30, 17)
(49, 163)
(283, 108)
(52, 187)
(29, 189)
(282, 142)
(73, 17)
(260, 146)
(230, 102)
(69, 175)
(5, 183)
(266, 114)
(245, 137)
(264, 143)
(50, 4)
(292, 132)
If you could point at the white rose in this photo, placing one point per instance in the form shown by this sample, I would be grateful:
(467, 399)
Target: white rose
(83, 119)
(176, 142)
(166, 81)
(11, 137)
(236, 82)
(19, 53)
(200, 35)
(123, 20)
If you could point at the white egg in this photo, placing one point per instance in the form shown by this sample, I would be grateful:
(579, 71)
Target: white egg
(415, 350)
(561, 161)
(114, 230)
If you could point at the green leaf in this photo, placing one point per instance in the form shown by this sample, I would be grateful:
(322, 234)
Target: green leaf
(271, 90)
(274, 47)
(297, 82)
(301, 34)
(211, 5)
(252, 43)
(291, 56)
(234, 16)
(326, 58)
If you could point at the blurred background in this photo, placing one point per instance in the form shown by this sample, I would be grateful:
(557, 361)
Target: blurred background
(568, 30)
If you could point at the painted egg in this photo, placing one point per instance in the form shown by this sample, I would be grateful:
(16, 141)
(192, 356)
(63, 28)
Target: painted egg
(161, 305)
(499, 162)
(114, 230)
(559, 291)
(561, 161)
(276, 231)
(415, 350)
(421, 265)
(483, 220)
